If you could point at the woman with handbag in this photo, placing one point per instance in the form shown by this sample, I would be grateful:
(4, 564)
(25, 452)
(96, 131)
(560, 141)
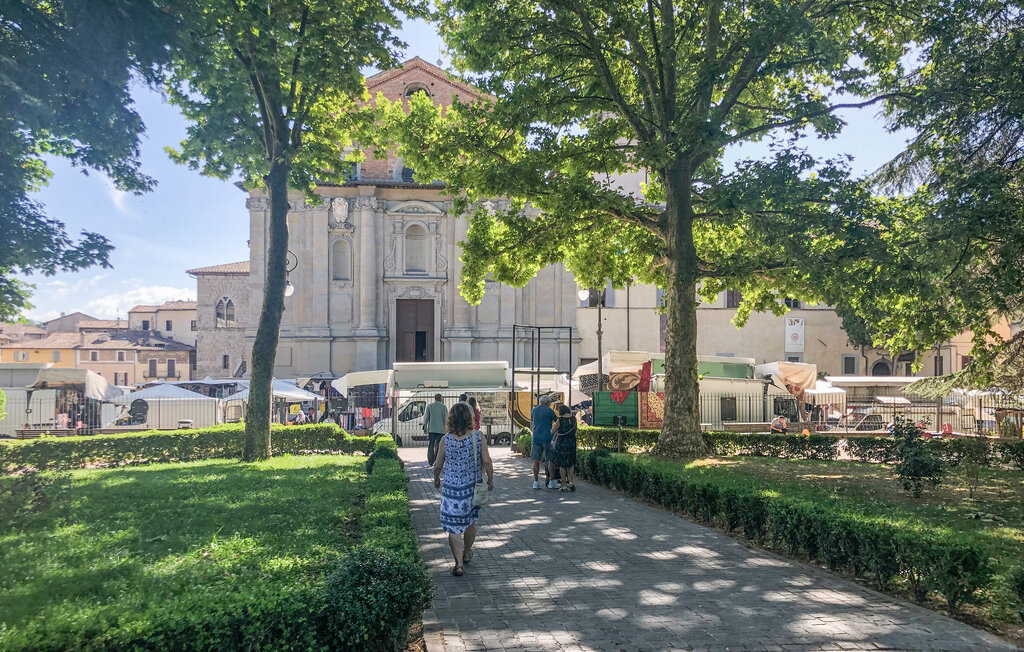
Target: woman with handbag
(464, 458)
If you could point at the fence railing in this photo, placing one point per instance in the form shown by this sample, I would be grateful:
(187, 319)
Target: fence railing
(402, 413)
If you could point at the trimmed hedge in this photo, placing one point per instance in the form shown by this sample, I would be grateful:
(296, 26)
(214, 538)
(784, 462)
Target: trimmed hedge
(171, 446)
(880, 552)
(604, 437)
(366, 601)
(382, 588)
(816, 446)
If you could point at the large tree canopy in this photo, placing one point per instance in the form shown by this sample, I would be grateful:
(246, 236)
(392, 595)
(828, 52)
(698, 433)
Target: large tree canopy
(66, 67)
(964, 98)
(271, 89)
(589, 89)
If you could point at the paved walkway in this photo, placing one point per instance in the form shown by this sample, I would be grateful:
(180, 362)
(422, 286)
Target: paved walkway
(619, 575)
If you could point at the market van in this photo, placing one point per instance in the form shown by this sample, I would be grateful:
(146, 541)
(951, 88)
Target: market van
(406, 426)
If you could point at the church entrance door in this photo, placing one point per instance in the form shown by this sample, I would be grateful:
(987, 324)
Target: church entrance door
(414, 326)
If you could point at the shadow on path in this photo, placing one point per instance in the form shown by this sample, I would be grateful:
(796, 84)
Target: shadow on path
(593, 570)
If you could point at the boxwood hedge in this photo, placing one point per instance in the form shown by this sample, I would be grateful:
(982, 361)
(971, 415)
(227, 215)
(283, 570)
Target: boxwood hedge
(879, 552)
(60, 453)
(816, 446)
(367, 601)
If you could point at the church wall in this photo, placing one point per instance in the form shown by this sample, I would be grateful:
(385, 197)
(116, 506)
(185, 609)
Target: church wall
(213, 343)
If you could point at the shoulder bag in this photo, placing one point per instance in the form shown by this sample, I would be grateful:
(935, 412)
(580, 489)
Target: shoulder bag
(480, 492)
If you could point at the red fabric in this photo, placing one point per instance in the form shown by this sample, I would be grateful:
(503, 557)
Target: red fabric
(645, 378)
(367, 413)
(619, 397)
(476, 418)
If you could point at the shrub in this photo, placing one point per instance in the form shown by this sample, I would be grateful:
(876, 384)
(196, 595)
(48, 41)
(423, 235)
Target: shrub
(957, 571)
(171, 445)
(871, 449)
(917, 463)
(383, 452)
(632, 439)
(524, 442)
(974, 454)
(372, 599)
(1016, 579)
(952, 568)
(1012, 452)
(380, 589)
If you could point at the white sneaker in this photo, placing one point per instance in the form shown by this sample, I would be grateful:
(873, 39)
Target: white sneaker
(554, 484)
(536, 484)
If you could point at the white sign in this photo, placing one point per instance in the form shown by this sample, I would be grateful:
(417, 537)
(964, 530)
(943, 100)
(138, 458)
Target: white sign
(794, 334)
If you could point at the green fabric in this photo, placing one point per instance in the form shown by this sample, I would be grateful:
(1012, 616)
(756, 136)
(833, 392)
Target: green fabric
(605, 408)
(725, 370)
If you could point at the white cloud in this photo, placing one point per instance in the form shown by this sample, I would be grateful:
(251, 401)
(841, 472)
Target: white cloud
(117, 305)
(42, 315)
(117, 197)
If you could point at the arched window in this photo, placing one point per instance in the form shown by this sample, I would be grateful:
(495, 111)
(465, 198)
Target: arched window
(229, 314)
(414, 88)
(220, 314)
(881, 368)
(341, 261)
(416, 250)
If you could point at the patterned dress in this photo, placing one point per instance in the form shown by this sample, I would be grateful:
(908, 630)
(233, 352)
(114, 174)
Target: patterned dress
(460, 475)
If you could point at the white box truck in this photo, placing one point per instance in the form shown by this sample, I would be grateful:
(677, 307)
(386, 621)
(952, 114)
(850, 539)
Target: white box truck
(416, 383)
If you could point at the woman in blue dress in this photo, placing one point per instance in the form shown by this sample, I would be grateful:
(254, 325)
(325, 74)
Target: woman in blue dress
(464, 458)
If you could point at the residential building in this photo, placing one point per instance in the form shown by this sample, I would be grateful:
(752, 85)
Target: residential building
(133, 357)
(376, 274)
(632, 320)
(10, 333)
(66, 323)
(174, 320)
(56, 349)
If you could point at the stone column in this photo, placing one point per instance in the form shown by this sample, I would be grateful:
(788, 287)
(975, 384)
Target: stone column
(367, 263)
(368, 334)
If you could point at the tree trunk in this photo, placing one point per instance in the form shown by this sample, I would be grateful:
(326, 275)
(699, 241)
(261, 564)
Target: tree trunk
(264, 349)
(680, 434)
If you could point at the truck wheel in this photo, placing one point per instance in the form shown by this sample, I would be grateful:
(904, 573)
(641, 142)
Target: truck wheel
(504, 439)
(398, 441)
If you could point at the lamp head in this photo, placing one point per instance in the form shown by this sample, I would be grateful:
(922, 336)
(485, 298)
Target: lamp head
(289, 289)
(583, 294)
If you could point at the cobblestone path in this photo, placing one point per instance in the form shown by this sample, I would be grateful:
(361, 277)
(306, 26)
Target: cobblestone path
(593, 570)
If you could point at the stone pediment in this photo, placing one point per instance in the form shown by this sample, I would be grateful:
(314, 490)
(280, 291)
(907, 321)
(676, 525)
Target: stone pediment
(415, 208)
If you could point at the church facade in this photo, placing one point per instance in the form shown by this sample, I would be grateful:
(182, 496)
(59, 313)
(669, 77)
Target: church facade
(375, 270)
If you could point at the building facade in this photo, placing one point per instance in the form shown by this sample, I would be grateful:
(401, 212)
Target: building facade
(375, 275)
(375, 270)
(133, 357)
(174, 320)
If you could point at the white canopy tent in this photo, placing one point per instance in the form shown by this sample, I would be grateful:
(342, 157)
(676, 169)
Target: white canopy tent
(786, 374)
(282, 390)
(358, 378)
(825, 393)
(166, 405)
(91, 384)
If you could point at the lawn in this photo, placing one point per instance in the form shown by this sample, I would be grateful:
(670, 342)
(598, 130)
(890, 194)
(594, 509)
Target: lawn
(121, 548)
(994, 519)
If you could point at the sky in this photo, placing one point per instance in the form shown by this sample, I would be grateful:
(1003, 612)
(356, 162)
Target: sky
(193, 221)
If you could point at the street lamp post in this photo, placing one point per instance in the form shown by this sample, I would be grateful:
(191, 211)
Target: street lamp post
(290, 264)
